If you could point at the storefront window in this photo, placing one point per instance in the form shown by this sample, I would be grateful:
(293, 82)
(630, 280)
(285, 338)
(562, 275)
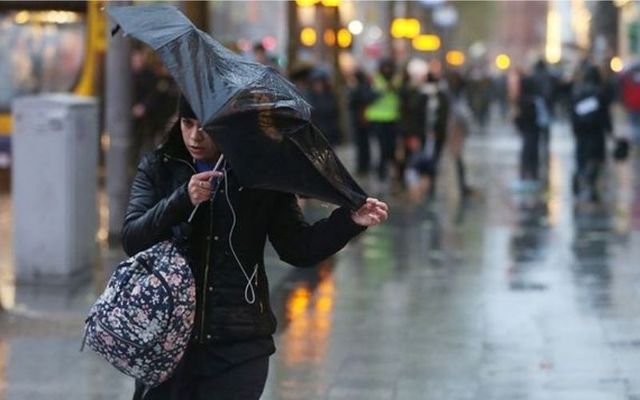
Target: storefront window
(44, 52)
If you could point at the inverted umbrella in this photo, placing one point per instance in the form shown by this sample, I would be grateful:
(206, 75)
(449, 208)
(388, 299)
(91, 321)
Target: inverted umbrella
(257, 118)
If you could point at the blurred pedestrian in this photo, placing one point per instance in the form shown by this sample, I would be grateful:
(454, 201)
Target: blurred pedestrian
(383, 115)
(591, 122)
(546, 88)
(458, 129)
(299, 76)
(144, 81)
(412, 124)
(437, 118)
(360, 96)
(500, 95)
(527, 121)
(630, 96)
(261, 55)
(154, 95)
(228, 354)
(322, 98)
(479, 94)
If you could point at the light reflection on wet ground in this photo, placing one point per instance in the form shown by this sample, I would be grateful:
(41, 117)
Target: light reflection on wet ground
(509, 296)
(513, 296)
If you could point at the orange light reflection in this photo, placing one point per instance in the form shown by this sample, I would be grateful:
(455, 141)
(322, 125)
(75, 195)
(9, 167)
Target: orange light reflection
(310, 320)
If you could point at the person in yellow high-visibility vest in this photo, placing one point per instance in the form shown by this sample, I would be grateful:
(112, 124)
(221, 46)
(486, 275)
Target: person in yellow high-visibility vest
(383, 115)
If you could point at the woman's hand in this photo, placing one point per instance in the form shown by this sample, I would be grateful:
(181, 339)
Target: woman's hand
(200, 186)
(372, 213)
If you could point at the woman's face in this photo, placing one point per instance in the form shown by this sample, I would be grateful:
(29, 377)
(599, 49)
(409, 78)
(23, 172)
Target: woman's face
(198, 143)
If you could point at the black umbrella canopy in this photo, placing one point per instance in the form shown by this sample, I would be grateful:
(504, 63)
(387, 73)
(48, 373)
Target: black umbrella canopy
(257, 117)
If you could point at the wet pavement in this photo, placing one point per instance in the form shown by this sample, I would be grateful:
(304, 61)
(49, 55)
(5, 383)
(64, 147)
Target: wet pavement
(509, 295)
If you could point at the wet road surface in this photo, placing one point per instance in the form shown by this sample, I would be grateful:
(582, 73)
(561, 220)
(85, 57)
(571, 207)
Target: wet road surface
(509, 295)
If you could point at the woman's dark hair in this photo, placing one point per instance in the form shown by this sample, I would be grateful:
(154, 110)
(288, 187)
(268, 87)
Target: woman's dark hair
(184, 109)
(174, 134)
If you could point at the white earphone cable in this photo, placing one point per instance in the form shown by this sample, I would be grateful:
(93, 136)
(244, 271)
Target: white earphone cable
(249, 292)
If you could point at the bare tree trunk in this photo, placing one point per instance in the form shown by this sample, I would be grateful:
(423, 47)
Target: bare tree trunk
(118, 122)
(293, 43)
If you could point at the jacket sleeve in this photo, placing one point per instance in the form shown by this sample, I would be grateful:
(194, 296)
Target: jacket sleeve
(149, 218)
(303, 245)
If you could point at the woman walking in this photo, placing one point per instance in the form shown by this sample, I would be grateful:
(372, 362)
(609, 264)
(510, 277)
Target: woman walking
(228, 355)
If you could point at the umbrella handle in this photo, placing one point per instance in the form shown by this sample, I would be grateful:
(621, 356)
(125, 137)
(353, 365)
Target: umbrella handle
(215, 168)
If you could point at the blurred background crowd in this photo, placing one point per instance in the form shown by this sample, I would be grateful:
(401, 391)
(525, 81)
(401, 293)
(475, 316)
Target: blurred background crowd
(394, 85)
(396, 79)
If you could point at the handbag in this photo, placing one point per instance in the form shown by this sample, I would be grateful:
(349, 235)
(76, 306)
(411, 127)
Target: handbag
(142, 322)
(621, 150)
(423, 161)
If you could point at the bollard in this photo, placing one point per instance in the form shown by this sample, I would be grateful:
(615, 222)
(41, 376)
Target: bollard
(54, 186)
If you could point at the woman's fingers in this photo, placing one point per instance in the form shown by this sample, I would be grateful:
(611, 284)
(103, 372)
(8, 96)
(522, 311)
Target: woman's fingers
(200, 186)
(207, 175)
(374, 211)
(382, 214)
(376, 202)
(204, 185)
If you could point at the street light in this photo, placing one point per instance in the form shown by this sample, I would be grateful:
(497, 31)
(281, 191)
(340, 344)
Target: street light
(405, 28)
(307, 3)
(308, 37)
(553, 48)
(426, 42)
(503, 61)
(331, 3)
(455, 58)
(616, 64)
(356, 27)
(412, 28)
(344, 38)
(329, 37)
(397, 28)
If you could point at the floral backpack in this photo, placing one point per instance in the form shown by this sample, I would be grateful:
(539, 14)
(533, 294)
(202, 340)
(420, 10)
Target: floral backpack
(142, 322)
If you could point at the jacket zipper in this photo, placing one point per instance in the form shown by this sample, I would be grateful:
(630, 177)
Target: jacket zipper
(206, 271)
(208, 252)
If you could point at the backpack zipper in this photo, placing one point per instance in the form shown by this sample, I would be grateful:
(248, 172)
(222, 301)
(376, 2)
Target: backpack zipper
(119, 337)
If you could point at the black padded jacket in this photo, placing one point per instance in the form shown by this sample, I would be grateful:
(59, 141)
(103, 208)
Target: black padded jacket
(228, 310)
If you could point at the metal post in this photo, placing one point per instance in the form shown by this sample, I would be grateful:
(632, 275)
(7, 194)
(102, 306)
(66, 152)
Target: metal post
(119, 125)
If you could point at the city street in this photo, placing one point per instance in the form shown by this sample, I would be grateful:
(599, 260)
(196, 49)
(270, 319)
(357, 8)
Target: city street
(505, 296)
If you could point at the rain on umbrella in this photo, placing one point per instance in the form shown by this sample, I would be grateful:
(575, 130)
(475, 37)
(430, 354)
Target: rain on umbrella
(259, 120)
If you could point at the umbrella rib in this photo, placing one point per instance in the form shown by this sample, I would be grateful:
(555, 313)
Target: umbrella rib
(320, 171)
(167, 42)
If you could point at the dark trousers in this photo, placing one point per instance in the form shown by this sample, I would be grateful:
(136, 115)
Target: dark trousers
(386, 133)
(462, 177)
(437, 154)
(529, 155)
(363, 149)
(545, 151)
(240, 382)
(589, 162)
